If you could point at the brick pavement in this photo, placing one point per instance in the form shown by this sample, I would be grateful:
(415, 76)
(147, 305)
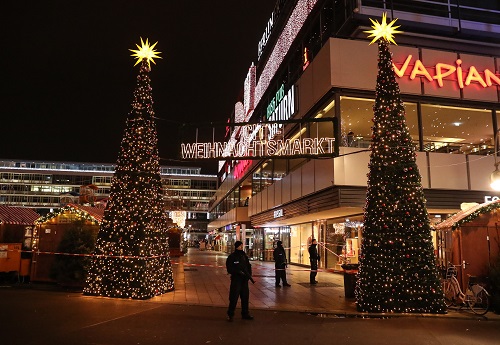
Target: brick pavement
(201, 279)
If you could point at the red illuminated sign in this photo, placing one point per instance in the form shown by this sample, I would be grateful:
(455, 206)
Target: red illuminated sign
(443, 71)
(240, 168)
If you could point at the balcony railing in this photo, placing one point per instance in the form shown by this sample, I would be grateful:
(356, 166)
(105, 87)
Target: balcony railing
(480, 15)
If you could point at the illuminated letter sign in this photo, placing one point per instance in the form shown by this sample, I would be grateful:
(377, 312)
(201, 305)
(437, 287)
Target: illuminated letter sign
(278, 213)
(261, 149)
(257, 141)
(265, 36)
(444, 71)
(489, 198)
(280, 108)
(305, 62)
(241, 167)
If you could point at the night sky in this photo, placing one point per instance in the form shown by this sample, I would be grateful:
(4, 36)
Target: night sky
(67, 77)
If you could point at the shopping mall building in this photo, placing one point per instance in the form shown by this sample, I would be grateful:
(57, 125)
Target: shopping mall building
(314, 61)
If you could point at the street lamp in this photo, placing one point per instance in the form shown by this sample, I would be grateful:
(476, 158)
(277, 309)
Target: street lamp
(495, 175)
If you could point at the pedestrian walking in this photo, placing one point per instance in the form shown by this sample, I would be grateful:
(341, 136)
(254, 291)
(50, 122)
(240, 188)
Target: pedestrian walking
(238, 266)
(314, 258)
(280, 264)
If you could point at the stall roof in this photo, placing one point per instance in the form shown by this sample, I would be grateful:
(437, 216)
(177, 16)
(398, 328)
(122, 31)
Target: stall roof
(467, 215)
(96, 213)
(17, 215)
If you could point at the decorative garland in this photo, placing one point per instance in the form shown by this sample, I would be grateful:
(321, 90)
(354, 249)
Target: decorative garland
(475, 214)
(83, 214)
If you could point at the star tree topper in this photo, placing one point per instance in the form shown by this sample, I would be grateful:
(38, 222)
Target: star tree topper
(383, 30)
(145, 51)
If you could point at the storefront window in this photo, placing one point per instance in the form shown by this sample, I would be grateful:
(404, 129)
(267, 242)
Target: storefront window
(457, 130)
(258, 245)
(250, 243)
(285, 238)
(334, 243)
(300, 238)
(271, 235)
(353, 237)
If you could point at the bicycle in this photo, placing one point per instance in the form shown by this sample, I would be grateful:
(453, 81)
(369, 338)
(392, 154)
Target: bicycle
(476, 297)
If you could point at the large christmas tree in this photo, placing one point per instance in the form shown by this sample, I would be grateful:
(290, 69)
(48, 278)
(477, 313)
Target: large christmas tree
(131, 256)
(397, 271)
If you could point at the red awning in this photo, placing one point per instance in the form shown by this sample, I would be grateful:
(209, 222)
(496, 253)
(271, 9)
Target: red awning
(17, 215)
(95, 212)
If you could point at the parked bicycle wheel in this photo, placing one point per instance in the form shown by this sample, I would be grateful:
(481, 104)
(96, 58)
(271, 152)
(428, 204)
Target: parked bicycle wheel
(449, 294)
(478, 301)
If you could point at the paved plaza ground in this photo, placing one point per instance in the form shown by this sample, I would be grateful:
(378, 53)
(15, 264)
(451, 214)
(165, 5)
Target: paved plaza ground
(195, 313)
(201, 279)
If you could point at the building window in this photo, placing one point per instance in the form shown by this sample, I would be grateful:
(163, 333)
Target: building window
(457, 130)
(356, 121)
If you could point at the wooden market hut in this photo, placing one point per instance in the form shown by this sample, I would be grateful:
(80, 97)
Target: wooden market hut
(49, 232)
(13, 223)
(16, 228)
(471, 236)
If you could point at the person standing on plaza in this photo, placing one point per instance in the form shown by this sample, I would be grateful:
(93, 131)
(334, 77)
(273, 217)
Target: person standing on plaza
(314, 258)
(280, 264)
(238, 266)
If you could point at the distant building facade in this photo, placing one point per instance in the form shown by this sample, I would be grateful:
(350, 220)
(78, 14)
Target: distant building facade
(46, 186)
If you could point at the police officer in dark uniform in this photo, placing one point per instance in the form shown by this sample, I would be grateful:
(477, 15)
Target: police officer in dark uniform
(314, 258)
(238, 266)
(280, 264)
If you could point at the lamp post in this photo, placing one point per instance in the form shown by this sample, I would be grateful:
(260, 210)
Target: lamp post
(495, 175)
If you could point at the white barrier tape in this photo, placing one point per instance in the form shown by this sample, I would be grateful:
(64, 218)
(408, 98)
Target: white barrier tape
(89, 255)
(154, 257)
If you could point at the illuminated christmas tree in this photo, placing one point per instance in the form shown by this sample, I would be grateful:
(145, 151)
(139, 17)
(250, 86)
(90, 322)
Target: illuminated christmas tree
(397, 271)
(131, 256)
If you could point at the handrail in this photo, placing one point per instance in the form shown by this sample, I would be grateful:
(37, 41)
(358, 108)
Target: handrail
(451, 10)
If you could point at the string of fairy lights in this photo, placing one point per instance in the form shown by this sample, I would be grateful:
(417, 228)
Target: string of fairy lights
(131, 257)
(283, 44)
(397, 271)
(397, 266)
(82, 214)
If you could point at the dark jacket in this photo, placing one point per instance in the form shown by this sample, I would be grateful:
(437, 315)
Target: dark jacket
(238, 265)
(279, 256)
(313, 253)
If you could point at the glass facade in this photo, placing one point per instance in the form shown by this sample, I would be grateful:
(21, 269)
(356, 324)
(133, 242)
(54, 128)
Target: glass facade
(434, 128)
(447, 129)
(457, 130)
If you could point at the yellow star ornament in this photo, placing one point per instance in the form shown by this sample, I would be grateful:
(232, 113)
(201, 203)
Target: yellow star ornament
(383, 30)
(145, 51)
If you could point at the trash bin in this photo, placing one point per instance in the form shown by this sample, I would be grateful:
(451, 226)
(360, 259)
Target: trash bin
(350, 271)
